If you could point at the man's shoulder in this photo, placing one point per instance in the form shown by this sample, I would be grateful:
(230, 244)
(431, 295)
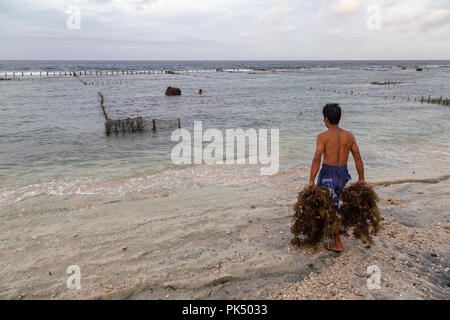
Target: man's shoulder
(322, 135)
(348, 133)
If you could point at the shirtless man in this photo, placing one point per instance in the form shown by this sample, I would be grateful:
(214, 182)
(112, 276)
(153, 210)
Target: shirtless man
(335, 144)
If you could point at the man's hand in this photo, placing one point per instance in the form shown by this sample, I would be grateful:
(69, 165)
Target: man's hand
(362, 182)
(311, 185)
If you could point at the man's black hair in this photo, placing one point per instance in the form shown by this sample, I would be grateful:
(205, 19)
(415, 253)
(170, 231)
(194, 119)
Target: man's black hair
(332, 112)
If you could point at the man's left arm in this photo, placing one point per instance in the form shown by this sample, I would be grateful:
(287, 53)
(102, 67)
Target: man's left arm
(358, 163)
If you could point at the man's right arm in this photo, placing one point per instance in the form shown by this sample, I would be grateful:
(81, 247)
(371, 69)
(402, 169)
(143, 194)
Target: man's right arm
(358, 162)
(315, 166)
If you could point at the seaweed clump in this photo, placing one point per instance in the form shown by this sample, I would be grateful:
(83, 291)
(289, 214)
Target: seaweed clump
(315, 217)
(359, 211)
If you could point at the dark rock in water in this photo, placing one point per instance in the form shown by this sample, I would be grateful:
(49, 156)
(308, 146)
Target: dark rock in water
(173, 91)
(315, 217)
(419, 69)
(5, 79)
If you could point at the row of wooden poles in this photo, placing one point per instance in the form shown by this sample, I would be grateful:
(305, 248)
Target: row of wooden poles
(102, 105)
(383, 68)
(99, 73)
(439, 100)
(128, 125)
(133, 125)
(430, 99)
(137, 72)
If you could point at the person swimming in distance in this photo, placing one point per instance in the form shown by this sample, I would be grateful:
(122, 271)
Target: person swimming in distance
(199, 91)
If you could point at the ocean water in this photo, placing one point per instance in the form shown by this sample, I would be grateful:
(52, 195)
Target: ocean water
(53, 127)
(69, 194)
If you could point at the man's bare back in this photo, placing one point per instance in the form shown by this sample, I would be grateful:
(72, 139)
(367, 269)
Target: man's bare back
(337, 145)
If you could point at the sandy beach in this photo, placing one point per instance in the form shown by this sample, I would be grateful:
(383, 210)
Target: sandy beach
(233, 250)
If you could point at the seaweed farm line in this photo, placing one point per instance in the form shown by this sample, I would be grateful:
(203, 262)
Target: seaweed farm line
(138, 72)
(430, 100)
(132, 125)
(43, 72)
(138, 124)
(99, 73)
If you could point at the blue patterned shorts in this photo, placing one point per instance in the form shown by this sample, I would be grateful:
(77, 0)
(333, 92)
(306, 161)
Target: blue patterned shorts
(335, 179)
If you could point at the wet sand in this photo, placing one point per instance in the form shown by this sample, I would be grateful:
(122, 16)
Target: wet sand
(220, 233)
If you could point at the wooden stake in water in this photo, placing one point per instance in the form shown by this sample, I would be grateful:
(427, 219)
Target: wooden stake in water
(108, 128)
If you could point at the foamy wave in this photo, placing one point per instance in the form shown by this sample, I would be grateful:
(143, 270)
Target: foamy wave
(188, 178)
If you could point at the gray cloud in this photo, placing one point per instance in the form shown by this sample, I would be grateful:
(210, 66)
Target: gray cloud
(224, 29)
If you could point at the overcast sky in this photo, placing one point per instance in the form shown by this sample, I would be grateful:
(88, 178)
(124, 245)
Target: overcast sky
(224, 29)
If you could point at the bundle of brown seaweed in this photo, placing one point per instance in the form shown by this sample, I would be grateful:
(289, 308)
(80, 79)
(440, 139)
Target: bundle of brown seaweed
(315, 217)
(359, 211)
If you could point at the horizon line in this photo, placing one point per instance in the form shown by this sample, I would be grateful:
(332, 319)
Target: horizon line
(228, 60)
